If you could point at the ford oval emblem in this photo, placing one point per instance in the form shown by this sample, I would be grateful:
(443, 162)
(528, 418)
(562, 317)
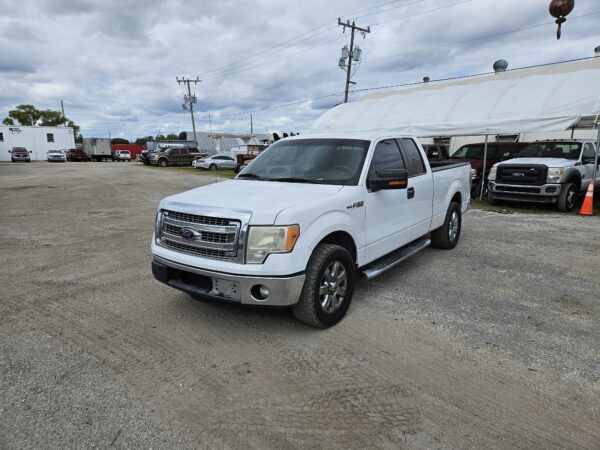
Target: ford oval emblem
(518, 174)
(189, 233)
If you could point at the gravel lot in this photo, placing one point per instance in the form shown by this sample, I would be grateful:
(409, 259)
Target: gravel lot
(495, 344)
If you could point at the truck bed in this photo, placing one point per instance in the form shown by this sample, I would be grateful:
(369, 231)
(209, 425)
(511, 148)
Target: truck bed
(437, 166)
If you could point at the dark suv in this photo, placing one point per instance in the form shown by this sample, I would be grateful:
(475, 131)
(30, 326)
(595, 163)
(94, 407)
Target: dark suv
(174, 156)
(20, 154)
(496, 152)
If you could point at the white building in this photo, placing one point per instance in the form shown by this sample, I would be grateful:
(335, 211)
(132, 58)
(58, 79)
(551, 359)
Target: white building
(36, 139)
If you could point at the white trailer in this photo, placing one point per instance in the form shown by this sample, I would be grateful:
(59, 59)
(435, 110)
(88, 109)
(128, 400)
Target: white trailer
(37, 140)
(97, 149)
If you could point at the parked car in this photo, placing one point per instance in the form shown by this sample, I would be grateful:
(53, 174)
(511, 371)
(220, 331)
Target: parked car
(555, 172)
(310, 213)
(20, 154)
(215, 162)
(436, 152)
(496, 152)
(174, 156)
(76, 154)
(57, 156)
(122, 155)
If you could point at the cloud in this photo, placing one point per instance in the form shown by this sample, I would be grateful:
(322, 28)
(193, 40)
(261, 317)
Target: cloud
(114, 62)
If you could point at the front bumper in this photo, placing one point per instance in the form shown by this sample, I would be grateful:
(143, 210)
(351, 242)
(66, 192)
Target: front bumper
(546, 193)
(284, 291)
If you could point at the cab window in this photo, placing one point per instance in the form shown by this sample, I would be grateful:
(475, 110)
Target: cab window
(414, 161)
(386, 156)
(588, 150)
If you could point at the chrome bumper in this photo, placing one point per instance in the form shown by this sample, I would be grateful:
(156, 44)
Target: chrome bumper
(284, 291)
(546, 193)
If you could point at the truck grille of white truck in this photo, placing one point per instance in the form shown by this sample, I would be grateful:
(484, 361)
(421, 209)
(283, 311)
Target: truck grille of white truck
(206, 236)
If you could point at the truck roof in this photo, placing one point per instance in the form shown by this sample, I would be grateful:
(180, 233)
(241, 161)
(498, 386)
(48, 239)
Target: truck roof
(364, 135)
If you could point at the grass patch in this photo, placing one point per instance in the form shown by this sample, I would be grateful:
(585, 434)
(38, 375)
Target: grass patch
(526, 208)
(223, 173)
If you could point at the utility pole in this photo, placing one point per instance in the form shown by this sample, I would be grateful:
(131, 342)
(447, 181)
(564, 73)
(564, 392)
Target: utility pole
(251, 125)
(62, 107)
(189, 100)
(351, 54)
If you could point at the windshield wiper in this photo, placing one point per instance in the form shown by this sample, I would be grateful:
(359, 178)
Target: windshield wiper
(294, 180)
(249, 175)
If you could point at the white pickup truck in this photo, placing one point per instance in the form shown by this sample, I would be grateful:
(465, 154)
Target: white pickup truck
(305, 217)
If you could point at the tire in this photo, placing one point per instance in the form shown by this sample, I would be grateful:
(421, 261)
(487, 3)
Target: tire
(567, 198)
(476, 190)
(213, 167)
(447, 235)
(162, 163)
(492, 200)
(316, 309)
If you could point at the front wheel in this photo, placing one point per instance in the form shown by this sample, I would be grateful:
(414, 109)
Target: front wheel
(328, 287)
(567, 198)
(162, 163)
(447, 235)
(213, 167)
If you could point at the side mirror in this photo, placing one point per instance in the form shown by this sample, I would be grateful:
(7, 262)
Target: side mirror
(389, 179)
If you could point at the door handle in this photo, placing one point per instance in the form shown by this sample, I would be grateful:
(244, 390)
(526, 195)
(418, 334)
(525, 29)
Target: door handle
(410, 193)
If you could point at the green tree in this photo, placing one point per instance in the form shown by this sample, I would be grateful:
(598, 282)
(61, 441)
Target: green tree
(119, 141)
(25, 115)
(8, 121)
(143, 140)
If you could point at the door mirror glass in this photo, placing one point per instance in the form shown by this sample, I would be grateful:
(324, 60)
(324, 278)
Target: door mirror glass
(386, 179)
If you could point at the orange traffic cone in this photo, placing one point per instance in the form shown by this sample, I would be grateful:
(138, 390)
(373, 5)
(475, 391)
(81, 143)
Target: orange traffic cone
(588, 203)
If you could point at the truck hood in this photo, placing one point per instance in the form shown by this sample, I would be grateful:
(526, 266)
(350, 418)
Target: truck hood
(548, 162)
(265, 199)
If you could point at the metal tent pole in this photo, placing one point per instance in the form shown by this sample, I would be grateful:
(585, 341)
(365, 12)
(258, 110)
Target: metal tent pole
(485, 149)
(596, 156)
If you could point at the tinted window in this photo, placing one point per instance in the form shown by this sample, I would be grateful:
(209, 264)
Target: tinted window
(568, 150)
(475, 152)
(413, 157)
(184, 151)
(174, 151)
(1, 137)
(386, 156)
(50, 137)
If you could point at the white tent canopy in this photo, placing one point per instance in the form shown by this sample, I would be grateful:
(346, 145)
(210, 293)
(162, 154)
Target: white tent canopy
(542, 99)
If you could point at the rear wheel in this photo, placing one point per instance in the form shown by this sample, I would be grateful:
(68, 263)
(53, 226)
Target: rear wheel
(567, 197)
(213, 167)
(476, 190)
(447, 235)
(328, 287)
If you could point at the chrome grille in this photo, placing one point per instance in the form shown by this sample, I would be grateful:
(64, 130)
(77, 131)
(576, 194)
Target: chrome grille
(214, 237)
(192, 218)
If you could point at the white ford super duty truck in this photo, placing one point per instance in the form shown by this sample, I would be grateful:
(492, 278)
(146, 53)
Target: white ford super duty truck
(305, 217)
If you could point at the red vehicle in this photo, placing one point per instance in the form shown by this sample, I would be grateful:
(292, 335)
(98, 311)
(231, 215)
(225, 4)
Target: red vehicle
(134, 149)
(75, 154)
(473, 153)
(20, 154)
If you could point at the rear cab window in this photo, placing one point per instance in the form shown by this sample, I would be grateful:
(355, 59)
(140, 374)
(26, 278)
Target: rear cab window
(413, 158)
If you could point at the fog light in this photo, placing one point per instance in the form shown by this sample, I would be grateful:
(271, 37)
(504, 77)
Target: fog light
(260, 292)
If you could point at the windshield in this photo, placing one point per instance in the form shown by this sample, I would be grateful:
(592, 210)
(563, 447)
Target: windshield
(474, 152)
(323, 161)
(567, 150)
(55, 152)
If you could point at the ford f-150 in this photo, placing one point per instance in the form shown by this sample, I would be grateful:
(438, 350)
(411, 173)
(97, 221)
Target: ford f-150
(309, 214)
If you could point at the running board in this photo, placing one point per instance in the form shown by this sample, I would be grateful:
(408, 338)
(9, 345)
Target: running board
(396, 257)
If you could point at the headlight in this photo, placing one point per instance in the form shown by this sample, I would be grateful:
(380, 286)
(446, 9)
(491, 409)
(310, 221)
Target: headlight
(492, 174)
(263, 241)
(473, 174)
(555, 174)
(153, 156)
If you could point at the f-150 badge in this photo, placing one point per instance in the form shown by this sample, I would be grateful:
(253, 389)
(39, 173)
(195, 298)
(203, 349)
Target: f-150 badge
(355, 205)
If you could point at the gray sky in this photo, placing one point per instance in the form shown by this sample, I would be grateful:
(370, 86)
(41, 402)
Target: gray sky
(114, 62)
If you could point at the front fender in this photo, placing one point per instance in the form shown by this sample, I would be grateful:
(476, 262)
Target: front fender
(331, 222)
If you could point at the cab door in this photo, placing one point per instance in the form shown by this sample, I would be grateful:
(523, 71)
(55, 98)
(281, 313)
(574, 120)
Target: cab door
(419, 190)
(388, 220)
(587, 161)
